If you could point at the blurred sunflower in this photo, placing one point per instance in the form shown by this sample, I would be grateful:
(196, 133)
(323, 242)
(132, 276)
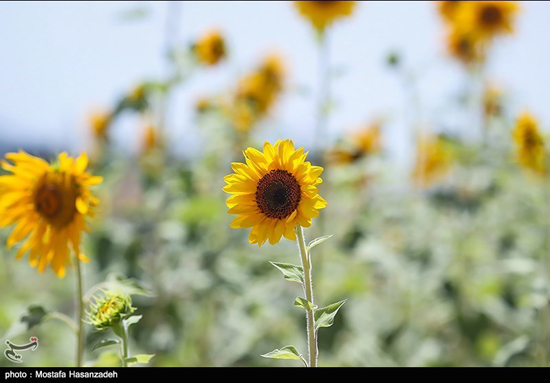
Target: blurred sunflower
(492, 101)
(49, 204)
(464, 47)
(99, 123)
(273, 192)
(257, 92)
(150, 139)
(530, 151)
(448, 9)
(323, 13)
(211, 48)
(486, 19)
(433, 160)
(364, 142)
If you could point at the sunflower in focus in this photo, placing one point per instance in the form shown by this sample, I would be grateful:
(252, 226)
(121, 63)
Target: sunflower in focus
(48, 204)
(99, 123)
(274, 191)
(487, 19)
(530, 152)
(323, 13)
(108, 311)
(211, 48)
(433, 160)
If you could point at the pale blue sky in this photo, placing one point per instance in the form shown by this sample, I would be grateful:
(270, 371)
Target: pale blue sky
(61, 59)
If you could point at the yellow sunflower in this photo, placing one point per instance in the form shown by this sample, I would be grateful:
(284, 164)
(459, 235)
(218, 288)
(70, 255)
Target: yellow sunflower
(465, 47)
(364, 142)
(448, 9)
(100, 122)
(323, 13)
(210, 48)
(433, 160)
(273, 192)
(487, 19)
(150, 139)
(530, 151)
(48, 204)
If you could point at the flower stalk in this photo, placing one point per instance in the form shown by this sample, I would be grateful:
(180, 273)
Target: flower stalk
(80, 297)
(308, 289)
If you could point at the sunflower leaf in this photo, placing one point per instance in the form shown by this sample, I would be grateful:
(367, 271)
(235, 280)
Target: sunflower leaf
(317, 241)
(286, 352)
(105, 343)
(304, 303)
(291, 272)
(132, 320)
(34, 316)
(324, 317)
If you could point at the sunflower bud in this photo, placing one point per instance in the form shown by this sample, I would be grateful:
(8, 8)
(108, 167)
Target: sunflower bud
(109, 310)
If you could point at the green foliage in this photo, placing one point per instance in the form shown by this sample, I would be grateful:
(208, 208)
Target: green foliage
(287, 352)
(105, 343)
(142, 359)
(317, 241)
(324, 317)
(291, 272)
(34, 316)
(304, 303)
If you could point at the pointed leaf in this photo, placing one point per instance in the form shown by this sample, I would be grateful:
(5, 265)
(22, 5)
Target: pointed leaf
(142, 358)
(105, 343)
(291, 272)
(317, 241)
(304, 303)
(132, 320)
(324, 317)
(287, 352)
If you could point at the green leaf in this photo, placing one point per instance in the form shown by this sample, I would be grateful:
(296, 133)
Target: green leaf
(317, 241)
(291, 273)
(324, 317)
(105, 343)
(142, 358)
(132, 320)
(304, 303)
(35, 315)
(287, 352)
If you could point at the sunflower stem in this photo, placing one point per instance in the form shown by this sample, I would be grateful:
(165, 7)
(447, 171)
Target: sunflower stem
(308, 289)
(80, 334)
(123, 333)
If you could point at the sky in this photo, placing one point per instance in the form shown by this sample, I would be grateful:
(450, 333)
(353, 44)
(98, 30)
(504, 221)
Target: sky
(61, 60)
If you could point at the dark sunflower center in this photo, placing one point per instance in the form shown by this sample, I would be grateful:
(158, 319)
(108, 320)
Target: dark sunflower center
(48, 200)
(278, 194)
(531, 139)
(54, 199)
(491, 16)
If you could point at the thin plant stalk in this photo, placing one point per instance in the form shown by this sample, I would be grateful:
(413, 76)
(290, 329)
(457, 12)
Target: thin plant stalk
(308, 289)
(124, 345)
(80, 334)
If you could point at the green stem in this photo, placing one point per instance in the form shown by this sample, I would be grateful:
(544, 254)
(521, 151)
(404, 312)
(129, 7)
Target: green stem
(308, 288)
(80, 334)
(125, 348)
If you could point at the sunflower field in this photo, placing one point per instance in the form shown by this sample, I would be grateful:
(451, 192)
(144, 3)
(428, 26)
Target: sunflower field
(266, 227)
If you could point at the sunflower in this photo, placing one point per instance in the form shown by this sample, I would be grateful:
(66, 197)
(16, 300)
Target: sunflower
(465, 47)
(362, 143)
(150, 139)
(530, 152)
(487, 19)
(433, 160)
(99, 123)
(273, 192)
(109, 310)
(48, 204)
(448, 9)
(323, 13)
(257, 92)
(210, 48)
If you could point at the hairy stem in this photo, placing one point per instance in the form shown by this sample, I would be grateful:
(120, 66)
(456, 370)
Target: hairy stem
(308, 289)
